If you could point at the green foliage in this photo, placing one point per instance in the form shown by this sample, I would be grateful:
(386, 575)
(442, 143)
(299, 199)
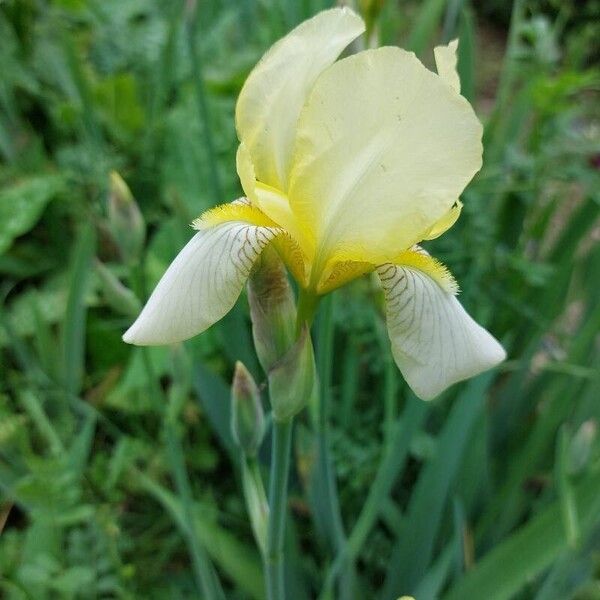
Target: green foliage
(118, 474)
(22, 204)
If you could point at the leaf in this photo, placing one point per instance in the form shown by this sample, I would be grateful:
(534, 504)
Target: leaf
(22, 205)
(414, 549)
(118, 99)
(74, 324)
(234, 558)
(213, 396)
(425, 24)
(504, 570)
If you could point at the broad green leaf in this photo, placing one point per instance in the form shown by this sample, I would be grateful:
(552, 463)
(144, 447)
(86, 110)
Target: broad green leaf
(236, 559)
(414, 549)
(22, 205)
(525, 554)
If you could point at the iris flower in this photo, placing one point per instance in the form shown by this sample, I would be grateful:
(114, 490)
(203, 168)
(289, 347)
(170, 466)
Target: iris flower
(346, 165)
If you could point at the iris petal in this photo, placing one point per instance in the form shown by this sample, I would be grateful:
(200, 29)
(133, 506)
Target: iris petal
(202, 284)
(275, 91)
(435, 342)
(384, 148)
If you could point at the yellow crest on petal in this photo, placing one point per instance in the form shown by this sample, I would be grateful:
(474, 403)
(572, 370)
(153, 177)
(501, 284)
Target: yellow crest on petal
(240, 210)
(342, 273)
(423, 261)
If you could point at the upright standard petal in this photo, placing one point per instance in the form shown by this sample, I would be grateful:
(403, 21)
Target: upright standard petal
(202, 284)
(273, 95)
(384, 149)
(447, 221)
(445, 62)
(435, 342)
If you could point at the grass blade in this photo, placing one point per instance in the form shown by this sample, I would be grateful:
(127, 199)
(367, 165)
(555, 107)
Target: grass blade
(73, 333)
(526, 553)
(414, 550)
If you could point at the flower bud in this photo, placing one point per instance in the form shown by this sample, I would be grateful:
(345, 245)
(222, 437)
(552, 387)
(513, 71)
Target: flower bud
(125, 220)
(293, 379)
(247, 417)
(272, 309)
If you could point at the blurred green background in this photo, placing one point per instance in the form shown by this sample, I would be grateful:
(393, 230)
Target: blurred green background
(116, 463)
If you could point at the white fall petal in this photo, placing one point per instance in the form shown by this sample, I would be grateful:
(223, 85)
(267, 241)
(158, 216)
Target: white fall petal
(201, 285)
(435, 342)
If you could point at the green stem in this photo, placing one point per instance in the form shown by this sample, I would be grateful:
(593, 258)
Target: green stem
(325, 475)
(307, 308)
(278, 484)
(256, 500)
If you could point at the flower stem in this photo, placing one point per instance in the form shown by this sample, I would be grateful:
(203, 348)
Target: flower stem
(307, 308)
(278, 484)
(256, 500)
(324, 473)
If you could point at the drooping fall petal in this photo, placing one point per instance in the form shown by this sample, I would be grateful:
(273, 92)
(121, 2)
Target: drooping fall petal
(435, 342)
(202, 284)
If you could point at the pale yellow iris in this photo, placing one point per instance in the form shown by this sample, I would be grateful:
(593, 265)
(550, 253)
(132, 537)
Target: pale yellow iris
(346, 166)
(356, 160)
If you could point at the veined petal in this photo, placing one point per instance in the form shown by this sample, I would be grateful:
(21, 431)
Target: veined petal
(446, 61)
(376, 165)
(202, 284)
(342, 273)
(419, 259)
(275, 91)
(445, 222)
(293, 257)
(435, 342)
(285, 242)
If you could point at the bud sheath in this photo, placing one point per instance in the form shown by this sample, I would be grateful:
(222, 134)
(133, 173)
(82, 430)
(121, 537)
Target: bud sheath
(292, 380)
(272, 308)
(247, 417)
(125, 220)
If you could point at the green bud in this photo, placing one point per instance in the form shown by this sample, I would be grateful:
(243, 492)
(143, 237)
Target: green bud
(120, 298)
(125, 220)
(247, 417)
(272, 308)
(293, 379)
